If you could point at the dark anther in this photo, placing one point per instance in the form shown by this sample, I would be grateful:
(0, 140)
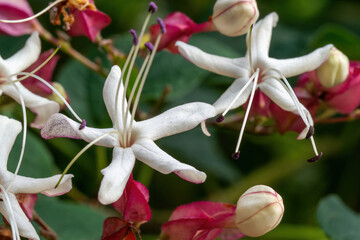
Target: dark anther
(236, 155)
(152, 7)
(82, 125)
(135, 37)
(316, 158)
(310, 133)
(149, 46)
(220, 118)
(162, 25)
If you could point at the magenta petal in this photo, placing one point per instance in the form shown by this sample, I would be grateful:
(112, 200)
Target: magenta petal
(12, 10)
(114, 228)
(46, 72)
(182, 228)
(88, 23)
(27, 203)
(133, 204)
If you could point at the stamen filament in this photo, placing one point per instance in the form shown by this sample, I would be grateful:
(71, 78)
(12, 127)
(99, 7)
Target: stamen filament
(80, 153)
(22, 103)
(55, 91)
(256, 78)
(34, 16)
(8, 207)
(314, 145)
(238, 95)
(136, 102)
(250, 57)
(146, 61)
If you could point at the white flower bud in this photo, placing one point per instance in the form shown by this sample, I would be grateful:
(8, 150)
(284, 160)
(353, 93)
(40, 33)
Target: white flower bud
(258, 211)
(233, 17)
(335, 70)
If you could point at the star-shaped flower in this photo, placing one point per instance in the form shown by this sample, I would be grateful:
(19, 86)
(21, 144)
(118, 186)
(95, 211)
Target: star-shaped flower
(140, 137)
(11, 184)
(21, 60)
(258, 70)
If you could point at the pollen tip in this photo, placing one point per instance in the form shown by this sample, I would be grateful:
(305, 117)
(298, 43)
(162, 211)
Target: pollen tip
(135, 37)
(220, 118)
(152, 8)
(310, 132)
(162, 25)
(316, 158)
(82, 125)
(236, 155)
(149, 46)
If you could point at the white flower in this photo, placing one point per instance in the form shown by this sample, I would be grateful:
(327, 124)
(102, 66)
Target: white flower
(11, 184)
(140, 138)
(21, 60)
(258, 70)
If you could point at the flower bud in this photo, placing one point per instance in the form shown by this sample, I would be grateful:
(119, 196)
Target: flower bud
(56, 98)
(258, 211)
(233, 17)
(335, 70)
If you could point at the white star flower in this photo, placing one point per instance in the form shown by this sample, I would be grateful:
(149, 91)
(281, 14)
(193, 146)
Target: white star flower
(18, 62)
(11, 184)
(131, 139)
(258, 70)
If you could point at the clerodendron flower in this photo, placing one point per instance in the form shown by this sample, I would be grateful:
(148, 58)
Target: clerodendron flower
(11, 67)
(131, 139)
(11, 184)
(258, 70)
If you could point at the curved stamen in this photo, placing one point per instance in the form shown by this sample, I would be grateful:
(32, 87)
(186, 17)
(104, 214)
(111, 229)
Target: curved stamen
(250, 57)
(256, 78)
(80, 153)
(8, 208)
(34, 16)
(55, 91)
(22, 103)
(136, 102)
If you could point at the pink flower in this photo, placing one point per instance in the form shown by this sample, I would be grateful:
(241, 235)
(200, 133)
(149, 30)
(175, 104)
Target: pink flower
(202, 220)
(344, 98)
(135, 210)
(16, 9)
(179, 27)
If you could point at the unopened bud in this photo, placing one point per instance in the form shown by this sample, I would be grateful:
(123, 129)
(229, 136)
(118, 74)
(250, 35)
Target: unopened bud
(258, 211)
(56, 98)
(234, 17)
(335, 70)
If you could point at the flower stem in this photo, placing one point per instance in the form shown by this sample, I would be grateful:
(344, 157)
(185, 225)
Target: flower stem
(45, 230)
(68, 49)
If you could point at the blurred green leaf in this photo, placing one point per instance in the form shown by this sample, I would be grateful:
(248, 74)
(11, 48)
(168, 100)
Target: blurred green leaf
(294, 232)
(70, 221)
(337, 220)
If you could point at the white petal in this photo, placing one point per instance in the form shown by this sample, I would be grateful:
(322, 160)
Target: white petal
(295, 66)
(23, 58)
(229, 95)
(61, 126)
(109, 93)
(26, 229)
(149, 153)
(9, 129)
(38, 185)
(221, 65)
(42, 107)
(278, 94)
(262, 36)
(116, 175)
(175, 120)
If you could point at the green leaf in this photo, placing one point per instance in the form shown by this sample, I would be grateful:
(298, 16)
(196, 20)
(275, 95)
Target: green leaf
(69, 220)
(337, 220)
(294, 232)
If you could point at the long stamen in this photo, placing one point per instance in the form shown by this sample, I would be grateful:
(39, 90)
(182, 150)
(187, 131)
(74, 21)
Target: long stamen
(136, 102)
(250, 57)
(55, 91)
(24, 134)
(12, 219)
(237, 152)
(34, 16)
(222, 116)
(81, 152)
(133, 91)
(152, 8)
